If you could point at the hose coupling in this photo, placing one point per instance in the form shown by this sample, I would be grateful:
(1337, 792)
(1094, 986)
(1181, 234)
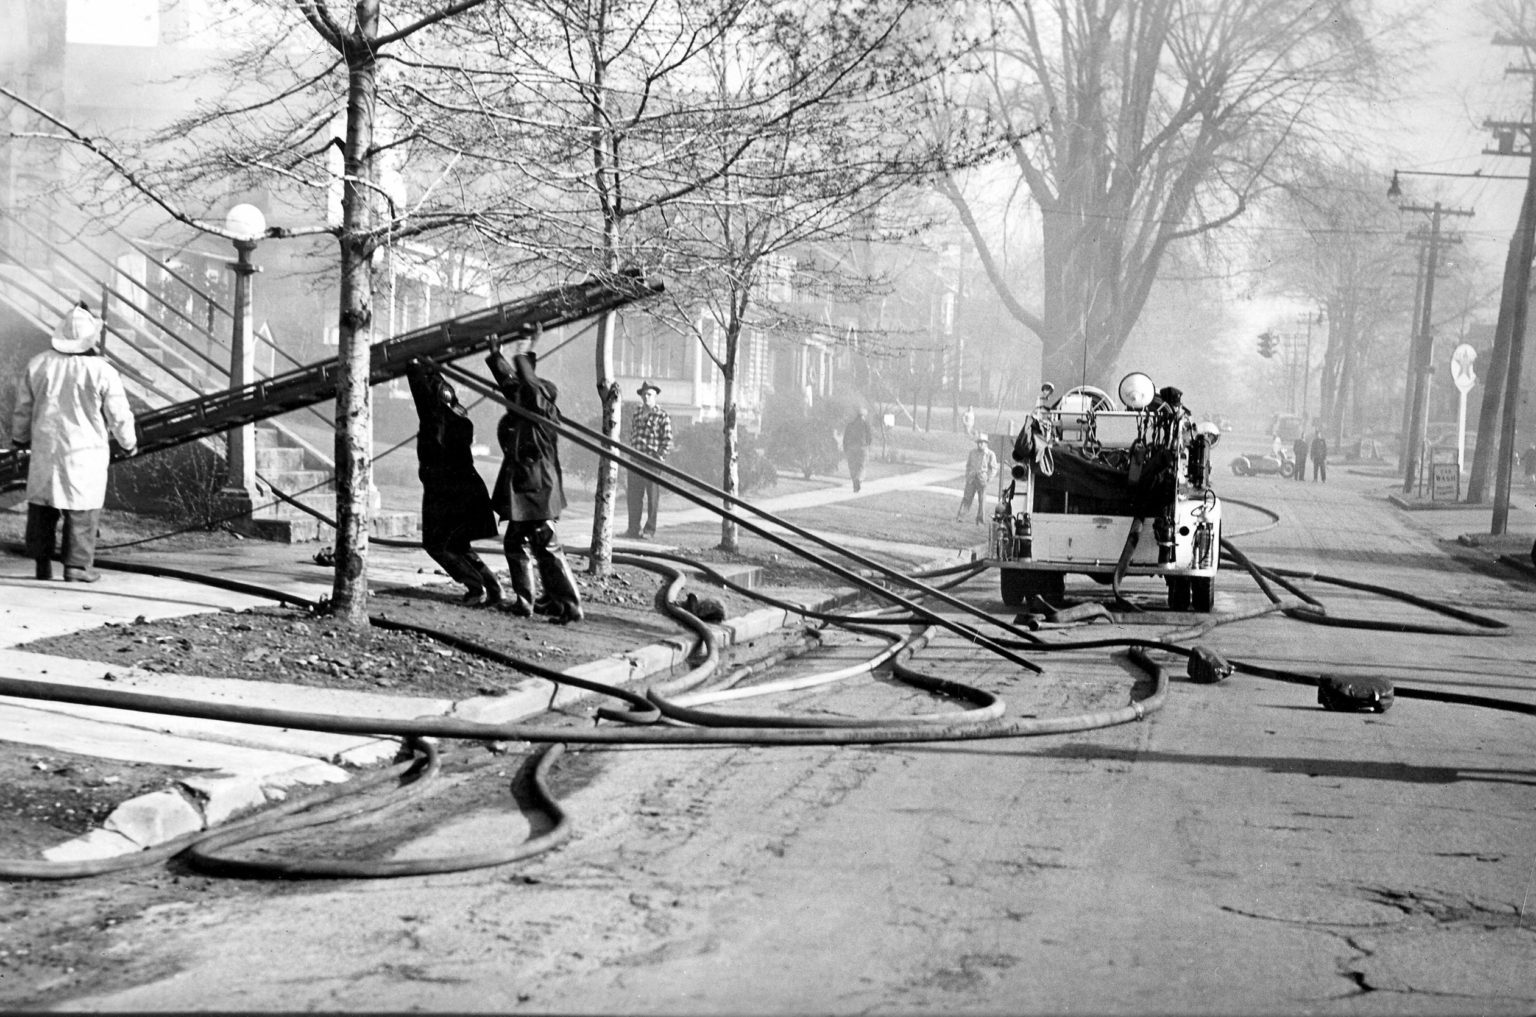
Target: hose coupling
(1207, 667)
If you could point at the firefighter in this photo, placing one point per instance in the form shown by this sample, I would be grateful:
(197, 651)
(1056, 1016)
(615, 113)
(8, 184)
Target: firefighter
(455, 506)
(67, 404)
(530, 491)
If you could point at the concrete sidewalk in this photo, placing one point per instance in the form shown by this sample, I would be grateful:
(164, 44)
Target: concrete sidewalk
(677, 511)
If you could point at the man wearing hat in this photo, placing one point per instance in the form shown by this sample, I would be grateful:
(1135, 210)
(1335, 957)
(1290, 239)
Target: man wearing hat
(650, 432)
(67, 405)
(980, 468)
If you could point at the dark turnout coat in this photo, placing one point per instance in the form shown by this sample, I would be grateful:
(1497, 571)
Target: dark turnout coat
(530, 485)
(454, 502)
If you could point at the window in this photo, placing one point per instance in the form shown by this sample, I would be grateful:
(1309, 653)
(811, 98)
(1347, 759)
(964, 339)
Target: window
(648, 352)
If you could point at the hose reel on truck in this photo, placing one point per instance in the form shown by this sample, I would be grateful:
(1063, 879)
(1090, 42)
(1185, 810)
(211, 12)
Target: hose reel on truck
(1090, 480)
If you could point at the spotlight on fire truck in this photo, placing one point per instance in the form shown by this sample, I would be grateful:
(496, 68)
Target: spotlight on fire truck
(1136, 391)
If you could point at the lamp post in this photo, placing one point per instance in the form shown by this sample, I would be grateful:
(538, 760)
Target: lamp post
(245, 225)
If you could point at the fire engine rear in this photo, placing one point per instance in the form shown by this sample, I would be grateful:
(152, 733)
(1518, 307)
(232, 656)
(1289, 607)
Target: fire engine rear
(1109, 490)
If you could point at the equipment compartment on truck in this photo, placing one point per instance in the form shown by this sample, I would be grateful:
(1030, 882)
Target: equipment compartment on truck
(1109, 492)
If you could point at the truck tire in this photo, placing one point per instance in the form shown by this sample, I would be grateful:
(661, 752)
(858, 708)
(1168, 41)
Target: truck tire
(1018, 585)
(1202, 593)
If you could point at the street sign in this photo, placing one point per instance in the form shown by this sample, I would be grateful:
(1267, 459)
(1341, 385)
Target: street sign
(1444, 482)
(1462, 372)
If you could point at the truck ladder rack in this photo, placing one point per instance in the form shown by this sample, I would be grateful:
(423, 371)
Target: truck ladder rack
(182, 422)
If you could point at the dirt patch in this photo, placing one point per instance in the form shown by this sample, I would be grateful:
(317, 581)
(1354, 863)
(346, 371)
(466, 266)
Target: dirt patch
(295, 646)
(48, 797)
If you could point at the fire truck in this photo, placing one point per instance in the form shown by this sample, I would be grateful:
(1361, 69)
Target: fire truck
(1109, 489)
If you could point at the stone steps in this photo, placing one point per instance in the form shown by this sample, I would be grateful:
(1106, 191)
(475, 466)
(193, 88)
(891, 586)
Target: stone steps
(285, 467)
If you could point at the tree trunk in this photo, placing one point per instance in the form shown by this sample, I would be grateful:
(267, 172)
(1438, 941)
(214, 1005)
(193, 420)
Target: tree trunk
(600, 561)
(605, 181)
(730, 537)
(354, 406)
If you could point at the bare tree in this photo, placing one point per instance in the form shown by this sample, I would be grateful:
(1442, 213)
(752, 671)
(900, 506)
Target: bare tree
(274, 122)
(1140, 124)
(821, 175)
(1340, 245)
(630, 90)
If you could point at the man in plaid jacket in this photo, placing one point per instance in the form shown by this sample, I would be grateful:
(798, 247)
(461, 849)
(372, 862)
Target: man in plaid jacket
(650, 432)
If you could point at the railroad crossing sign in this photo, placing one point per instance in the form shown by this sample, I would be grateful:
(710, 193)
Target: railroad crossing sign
(1461, 367)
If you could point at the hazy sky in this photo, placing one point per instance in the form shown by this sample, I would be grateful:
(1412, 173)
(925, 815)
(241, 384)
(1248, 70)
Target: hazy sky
(1436, 124)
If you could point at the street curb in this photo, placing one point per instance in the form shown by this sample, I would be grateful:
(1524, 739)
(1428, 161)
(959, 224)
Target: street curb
(1412, 505)
(204, 801)
(1519, 562)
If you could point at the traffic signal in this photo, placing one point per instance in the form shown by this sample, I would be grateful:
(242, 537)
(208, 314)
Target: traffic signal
(1267, 344)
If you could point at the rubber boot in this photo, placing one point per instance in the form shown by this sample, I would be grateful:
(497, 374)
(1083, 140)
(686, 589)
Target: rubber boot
(560, 587)
(461, 569)
(488, 580)
(521, 604)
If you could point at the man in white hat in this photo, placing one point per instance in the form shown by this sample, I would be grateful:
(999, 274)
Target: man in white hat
(67, 404)
(980, 468)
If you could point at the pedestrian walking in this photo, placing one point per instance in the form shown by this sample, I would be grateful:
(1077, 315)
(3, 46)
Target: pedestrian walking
(1319, 457)
(980, 468)
(969, 420)
(455, 506)
(530, 489)
(70, 404)
(1299, 450)
(857, 438)
(650, 432)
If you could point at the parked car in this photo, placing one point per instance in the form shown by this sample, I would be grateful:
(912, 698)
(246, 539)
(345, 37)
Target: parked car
(1258, 463)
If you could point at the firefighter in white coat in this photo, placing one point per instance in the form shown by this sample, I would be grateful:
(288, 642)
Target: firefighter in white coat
(67, 405)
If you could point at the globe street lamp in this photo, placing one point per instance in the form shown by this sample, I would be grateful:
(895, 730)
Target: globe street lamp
(245, 225)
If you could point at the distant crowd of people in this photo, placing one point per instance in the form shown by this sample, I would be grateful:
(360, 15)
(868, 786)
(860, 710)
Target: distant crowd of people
(1301, 450)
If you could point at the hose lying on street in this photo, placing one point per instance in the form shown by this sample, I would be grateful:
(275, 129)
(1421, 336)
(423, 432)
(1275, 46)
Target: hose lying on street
(730, 506)
(215, 854)
(1314, 613)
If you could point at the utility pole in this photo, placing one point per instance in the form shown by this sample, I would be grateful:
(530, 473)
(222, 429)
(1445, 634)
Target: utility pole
(1519, 290)
(1306, 362)
(1405, 451)
(1423, 353)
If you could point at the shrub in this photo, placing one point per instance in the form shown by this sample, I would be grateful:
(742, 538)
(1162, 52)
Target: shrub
(699, 451)
(809, 441)
(181, 483)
